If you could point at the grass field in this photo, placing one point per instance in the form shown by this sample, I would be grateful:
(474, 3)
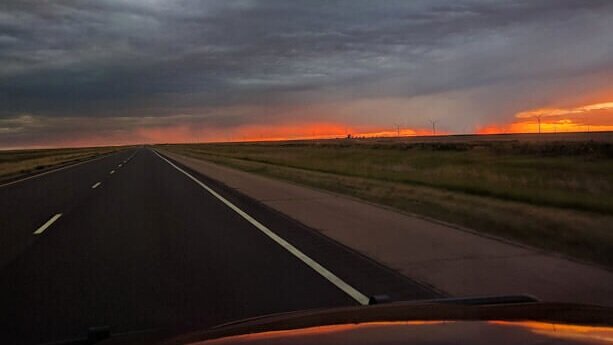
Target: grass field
(18, 163)
(557, 195)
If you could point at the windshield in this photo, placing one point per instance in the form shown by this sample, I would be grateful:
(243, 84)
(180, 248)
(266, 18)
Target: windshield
(170, 166)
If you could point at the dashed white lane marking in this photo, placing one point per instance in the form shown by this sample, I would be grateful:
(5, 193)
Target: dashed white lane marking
(341, 284)
(47, 224)
(112, 172)
(58, 169)
(131, 156)
(96, 185)
(119, 166)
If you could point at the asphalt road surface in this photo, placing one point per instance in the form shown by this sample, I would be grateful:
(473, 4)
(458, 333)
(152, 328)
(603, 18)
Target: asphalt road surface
(138, 243)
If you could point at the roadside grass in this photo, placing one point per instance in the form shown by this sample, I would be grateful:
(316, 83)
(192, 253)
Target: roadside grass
(556, 196)
(17, 163)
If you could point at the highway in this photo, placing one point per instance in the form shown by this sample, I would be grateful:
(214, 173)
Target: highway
(136, 242)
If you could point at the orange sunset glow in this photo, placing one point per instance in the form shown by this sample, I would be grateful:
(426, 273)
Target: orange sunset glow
(274, 132)
(585, 118)
(592, 117)
(319, 131)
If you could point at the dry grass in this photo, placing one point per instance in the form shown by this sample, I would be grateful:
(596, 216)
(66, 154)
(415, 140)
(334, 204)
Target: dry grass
(557, 196)
(18, 163)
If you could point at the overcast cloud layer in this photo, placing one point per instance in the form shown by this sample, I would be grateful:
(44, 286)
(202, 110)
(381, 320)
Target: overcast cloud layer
(109, 68)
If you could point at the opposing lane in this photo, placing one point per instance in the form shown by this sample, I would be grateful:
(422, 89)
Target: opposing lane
(26, 205)
(148, 249)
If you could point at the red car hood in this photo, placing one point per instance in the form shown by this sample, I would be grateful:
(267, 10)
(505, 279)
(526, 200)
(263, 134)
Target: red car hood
(421, 323)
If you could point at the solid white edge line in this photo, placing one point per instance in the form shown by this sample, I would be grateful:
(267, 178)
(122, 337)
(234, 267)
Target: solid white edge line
(47, 224)
(338, 282)
(96, 185)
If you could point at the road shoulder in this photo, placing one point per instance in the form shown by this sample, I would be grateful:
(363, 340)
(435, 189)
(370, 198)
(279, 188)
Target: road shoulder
(457, 262)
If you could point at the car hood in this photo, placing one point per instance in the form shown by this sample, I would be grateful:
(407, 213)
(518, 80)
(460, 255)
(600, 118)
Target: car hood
(428, 332)
(421, 323)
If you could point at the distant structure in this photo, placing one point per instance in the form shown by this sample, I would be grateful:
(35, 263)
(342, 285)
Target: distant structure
(433, 122)
(538, 118)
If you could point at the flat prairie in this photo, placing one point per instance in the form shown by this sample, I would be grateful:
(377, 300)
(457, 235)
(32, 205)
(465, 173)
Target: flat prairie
(553, 191)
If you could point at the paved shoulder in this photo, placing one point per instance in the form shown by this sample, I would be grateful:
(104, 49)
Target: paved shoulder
(457, 262)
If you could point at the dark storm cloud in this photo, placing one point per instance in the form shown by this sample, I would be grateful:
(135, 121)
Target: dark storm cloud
(109, 58)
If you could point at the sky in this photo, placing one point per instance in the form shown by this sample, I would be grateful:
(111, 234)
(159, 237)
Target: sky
(110, 72)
